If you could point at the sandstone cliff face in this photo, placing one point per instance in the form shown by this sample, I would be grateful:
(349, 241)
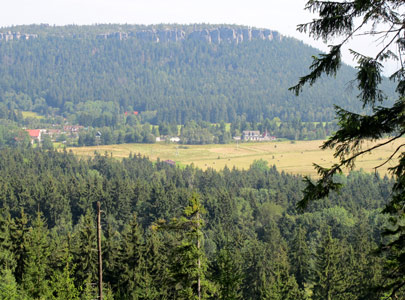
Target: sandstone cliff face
(9, 36)
(212, 36)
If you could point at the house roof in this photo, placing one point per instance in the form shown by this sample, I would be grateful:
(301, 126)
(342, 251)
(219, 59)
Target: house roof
(34, 133)
(250, 132)
(170, 162)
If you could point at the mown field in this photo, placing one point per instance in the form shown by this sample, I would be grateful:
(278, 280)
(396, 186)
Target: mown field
(296, 158)
(31, 114)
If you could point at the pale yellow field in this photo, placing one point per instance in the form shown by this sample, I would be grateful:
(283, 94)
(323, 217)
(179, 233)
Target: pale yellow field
(31, 114)
(296, 158)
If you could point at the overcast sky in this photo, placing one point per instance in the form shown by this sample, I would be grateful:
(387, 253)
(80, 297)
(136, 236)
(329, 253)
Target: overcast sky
(279, 15)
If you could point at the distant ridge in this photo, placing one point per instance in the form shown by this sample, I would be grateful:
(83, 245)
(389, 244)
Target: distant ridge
(9, 36)
(169, 73)
(215, 35)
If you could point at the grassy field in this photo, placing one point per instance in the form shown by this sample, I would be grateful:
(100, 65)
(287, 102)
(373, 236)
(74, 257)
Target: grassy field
(31, 114)
(296, 158)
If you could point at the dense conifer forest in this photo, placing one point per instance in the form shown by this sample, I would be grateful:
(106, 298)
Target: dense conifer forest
(174, 232)
(136, 83)
(71, 71)
(253, 244)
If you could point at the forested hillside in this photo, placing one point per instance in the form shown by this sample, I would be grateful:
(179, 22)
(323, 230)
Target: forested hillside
(253, 244)
(169, 230)
(170, 74)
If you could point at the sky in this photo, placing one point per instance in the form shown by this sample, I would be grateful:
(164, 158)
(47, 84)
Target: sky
(280, 15)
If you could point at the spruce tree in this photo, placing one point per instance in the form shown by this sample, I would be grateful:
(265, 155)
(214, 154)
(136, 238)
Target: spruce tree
(111, 249)
(7, 260)
(365, 267)
(131, 264)
(227, 274)
(257, 270)
(330, 281)
(156, 260)
(8, 286)
(62, 282)
(300, 257)
(380, 124)
(35, 279)
(18, 236)
(188, 263)
(84, 250)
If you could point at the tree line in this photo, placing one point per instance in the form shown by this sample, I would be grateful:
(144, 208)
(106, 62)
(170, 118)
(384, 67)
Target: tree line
(159, 220)
(86, 78)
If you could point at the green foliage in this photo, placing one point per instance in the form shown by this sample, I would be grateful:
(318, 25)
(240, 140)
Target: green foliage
(62, 283)
(84, 251)
(300, 255)
(8, 286)
(95, 81)
(330, 272)
(7, 260)
(240, 224)
(132, 269)
(34, 280)
(47, 143)
(338, 19)
(188, 267)
(19, 235)
(227, 274)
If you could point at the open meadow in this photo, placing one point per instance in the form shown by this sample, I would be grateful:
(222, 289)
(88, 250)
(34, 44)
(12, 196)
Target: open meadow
(292, 157)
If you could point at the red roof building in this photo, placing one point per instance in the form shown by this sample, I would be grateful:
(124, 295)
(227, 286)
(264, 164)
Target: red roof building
(35, 134)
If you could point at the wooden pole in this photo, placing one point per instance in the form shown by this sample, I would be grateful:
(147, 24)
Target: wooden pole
(100, 260)
(199, 259)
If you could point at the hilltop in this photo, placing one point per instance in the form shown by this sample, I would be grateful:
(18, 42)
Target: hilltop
(169, 73)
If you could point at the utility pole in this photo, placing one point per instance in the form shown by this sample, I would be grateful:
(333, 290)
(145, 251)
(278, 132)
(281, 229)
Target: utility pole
(100, 260)
(199, 258)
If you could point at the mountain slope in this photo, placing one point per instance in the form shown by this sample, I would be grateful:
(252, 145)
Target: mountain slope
(175, 73)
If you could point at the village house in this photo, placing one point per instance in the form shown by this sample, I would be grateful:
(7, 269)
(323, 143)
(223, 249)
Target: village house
(35, 134)
(72, 128)
(53, 133)
(170, 162)
(256, 136)
(251, 135)
(267, 137)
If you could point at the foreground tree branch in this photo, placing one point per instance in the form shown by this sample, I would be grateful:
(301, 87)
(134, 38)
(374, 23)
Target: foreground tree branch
(337, 19)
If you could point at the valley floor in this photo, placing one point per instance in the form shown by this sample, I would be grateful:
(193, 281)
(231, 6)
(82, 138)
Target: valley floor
(292, 157)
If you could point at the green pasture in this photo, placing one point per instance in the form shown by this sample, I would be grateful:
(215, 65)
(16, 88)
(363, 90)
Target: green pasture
(296, 158)
(31, 114)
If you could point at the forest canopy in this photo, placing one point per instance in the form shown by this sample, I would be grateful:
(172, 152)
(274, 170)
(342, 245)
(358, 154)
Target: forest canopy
(63, 68)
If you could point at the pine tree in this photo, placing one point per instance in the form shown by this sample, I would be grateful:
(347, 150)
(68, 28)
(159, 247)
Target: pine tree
(131, 262)
(35, 278)
(300, 257)
(8, 286)
(111, 249)
(227, 274)
(62, 282)
(365, 266)
(330, 281)
(84, 250)
(7, 260)
(380, 20)
(188, 263)
(18, 235)
(156, 260)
